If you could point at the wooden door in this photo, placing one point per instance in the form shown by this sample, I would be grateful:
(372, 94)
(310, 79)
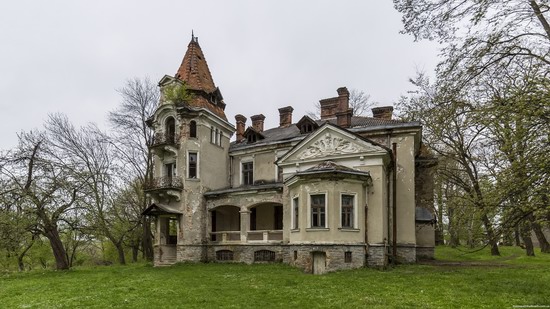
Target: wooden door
(319, 263)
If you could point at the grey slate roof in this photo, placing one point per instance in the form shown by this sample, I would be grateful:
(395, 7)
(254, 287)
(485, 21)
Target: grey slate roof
(358, 123)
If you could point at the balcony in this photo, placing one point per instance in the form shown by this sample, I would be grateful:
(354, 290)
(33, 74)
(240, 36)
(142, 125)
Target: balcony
(164, 186)
(162, 183)
(163, 141)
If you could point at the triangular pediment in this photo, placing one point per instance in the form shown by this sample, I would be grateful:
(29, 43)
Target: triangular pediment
(330, 141)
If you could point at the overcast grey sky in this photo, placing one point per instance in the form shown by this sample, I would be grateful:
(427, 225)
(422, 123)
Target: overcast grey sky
(70, 56)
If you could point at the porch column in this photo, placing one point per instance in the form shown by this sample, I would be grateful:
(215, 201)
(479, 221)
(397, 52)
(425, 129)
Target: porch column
(157, 230)
(245, 223)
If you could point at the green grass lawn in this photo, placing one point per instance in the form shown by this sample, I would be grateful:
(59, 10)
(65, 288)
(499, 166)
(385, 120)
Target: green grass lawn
(489, 282)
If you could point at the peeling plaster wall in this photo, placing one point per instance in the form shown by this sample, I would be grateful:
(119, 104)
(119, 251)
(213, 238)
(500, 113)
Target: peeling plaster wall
(405, 189)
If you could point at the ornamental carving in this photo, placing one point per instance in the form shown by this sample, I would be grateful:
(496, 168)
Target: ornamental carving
(328, 146)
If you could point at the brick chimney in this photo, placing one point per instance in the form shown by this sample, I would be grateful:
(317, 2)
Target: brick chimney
(330, 107)
(343, 99)
(241, 124)
(343, 119)
(285, 116)
(383, 112)
(258, 122)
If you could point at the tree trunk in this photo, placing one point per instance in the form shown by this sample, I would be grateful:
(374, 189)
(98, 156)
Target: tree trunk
(20, 256)
(525, 233)
(147, 240)
(120, 250)
(490, 235)
(58, 249)
(516, 237)
(135, 253)
(543, 242)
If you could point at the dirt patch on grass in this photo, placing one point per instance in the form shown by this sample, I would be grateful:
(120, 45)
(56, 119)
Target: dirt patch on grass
(494, 263)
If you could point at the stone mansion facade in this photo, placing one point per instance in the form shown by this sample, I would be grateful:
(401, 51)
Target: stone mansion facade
(336, 193)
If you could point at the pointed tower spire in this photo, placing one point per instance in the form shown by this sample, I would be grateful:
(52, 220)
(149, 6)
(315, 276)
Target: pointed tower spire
(195, 73)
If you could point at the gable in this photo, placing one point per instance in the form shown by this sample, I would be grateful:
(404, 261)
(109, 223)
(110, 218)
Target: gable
(332, 142)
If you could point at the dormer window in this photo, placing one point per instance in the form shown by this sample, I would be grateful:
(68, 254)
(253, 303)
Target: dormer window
(307, 125)
(252, 135)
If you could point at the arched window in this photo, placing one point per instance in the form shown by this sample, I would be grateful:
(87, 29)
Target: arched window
(170, 130)
(192, 129)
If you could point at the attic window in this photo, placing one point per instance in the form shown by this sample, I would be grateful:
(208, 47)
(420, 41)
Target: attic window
(251, 138)
(306, 128)
(307, 125)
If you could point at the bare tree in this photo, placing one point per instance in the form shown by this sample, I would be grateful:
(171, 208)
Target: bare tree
(358, 100)
(132, 138)
(45, 191)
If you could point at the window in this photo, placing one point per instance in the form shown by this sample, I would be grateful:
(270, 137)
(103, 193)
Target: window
(192, 165)
(347, 211)
(192, 129)
(220, 139)
(318, 213)
(251, 138)
(347, 257)
(217, 137)
(170, 130)
(279, 174)
(296, 212)
(264, 256)
(248, 173)
(224, 255)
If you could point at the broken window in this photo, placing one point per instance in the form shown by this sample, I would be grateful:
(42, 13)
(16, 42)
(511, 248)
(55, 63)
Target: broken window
(192, 165)
(347, 257)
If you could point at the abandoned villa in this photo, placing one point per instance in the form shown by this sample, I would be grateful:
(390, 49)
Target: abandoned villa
(326, 194)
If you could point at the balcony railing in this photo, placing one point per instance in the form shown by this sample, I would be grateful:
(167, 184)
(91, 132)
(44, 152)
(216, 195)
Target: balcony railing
(159, 183)
(163, 138)
(257, 236)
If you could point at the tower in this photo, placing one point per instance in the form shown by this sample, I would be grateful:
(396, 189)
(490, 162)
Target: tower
(190, 150)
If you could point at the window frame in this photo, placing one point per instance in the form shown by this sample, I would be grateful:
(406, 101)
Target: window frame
(193, 129)
(296, 213)
(353, 213)
(247, 181)
(320, 214)
(196, 167)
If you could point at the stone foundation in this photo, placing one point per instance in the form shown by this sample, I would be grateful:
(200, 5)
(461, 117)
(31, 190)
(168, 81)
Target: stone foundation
(376, 256)
(336, 257)
(406, 254)
(425, 253)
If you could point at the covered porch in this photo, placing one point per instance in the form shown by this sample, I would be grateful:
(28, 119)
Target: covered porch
(245, 216)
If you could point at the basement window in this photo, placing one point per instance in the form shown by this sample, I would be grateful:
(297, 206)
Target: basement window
(224, 255)
(264, 256)
(347, 257)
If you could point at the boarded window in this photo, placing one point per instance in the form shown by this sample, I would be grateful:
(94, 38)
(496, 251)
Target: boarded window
(224, 255)
(264, 256)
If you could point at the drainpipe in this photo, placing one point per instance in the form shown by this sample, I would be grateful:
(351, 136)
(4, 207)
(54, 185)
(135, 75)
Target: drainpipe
(394, 203)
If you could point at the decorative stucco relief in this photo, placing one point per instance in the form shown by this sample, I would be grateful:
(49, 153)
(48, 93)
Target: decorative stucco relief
(331, 145)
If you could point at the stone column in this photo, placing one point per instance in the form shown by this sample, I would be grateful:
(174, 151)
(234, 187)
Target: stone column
(245, 224)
